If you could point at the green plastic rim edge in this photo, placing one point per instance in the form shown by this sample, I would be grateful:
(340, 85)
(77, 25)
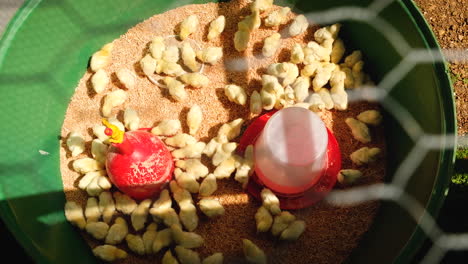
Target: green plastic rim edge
(442, 183)
(7, 215)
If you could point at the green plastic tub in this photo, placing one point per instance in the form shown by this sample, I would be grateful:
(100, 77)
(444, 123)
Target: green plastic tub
(46, 48)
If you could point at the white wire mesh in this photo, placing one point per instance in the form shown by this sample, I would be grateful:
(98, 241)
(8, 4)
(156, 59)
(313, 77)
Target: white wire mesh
(424, 142)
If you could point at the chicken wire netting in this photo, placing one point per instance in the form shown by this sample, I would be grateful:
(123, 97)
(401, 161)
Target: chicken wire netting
(393, 190)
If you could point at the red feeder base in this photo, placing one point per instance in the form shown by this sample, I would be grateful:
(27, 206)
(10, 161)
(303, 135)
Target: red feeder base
(141, 166)
(300, 200)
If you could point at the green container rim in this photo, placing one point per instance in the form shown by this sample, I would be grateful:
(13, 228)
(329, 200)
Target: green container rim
(6, 213)
(442, 183)
(447, 157)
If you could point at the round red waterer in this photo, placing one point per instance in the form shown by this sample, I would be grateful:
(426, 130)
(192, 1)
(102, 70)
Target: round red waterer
(296, 156)
(138, 162)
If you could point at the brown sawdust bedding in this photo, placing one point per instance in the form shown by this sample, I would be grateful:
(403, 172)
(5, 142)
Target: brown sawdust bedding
(331, 232)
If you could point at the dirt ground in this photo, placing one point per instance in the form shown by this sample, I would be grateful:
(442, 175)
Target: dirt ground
(449, 21)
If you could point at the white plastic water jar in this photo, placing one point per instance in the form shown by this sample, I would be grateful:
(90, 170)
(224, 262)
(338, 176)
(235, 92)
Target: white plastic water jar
(291, 152)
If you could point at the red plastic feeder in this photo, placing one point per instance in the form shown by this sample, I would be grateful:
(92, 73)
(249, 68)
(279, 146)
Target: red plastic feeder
(138, 162)
(296, 156)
